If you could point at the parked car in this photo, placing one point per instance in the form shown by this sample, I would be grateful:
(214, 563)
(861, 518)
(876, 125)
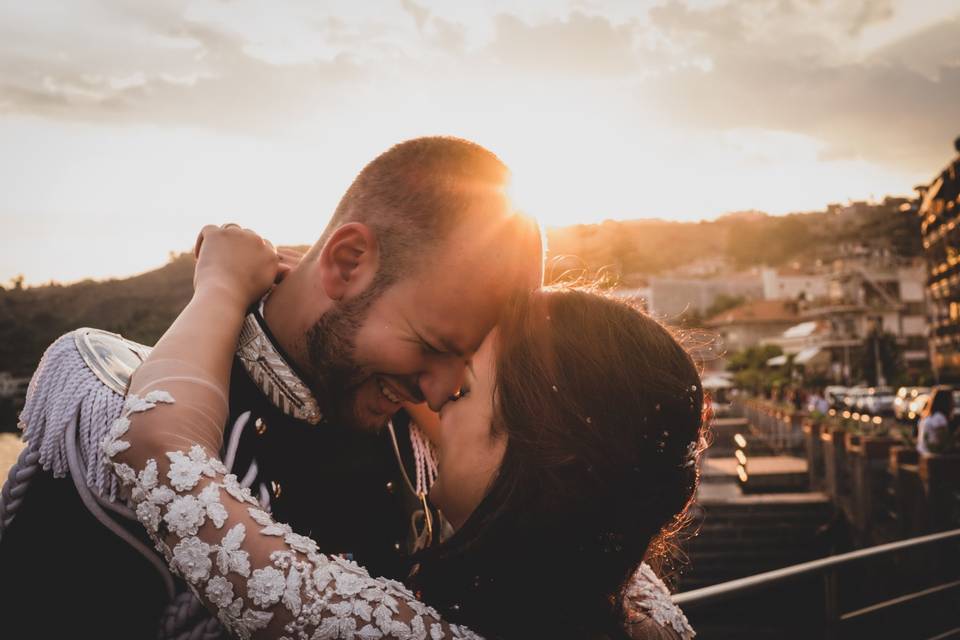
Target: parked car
(878, 401)
(852, 397)
(905, 396)
(860, 403)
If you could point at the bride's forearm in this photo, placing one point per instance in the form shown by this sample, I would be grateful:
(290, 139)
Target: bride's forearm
(203, 335)
(189, 366)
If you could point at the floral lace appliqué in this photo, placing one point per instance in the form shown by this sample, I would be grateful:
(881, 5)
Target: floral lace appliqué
(194, 511)
(648, 594)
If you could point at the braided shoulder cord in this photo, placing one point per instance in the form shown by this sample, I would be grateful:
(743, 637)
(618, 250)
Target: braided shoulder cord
(18, 480)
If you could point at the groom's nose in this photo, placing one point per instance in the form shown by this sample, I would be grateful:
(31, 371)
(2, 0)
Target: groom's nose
(442, 381)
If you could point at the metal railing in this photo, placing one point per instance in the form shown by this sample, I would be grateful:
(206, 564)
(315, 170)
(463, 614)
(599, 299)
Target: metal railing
(733, 589)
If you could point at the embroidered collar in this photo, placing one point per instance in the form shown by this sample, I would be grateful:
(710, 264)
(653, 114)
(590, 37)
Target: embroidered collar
(271, 371)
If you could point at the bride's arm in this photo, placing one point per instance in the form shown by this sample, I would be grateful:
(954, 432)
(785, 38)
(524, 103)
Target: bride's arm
(258, 576)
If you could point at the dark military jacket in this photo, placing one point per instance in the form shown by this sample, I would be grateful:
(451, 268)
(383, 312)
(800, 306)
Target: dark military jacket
(340, 486)
(64, 574)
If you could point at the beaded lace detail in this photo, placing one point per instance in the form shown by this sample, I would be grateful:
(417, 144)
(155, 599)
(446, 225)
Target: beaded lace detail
(259, 576)
(273, 375)
(647, 593)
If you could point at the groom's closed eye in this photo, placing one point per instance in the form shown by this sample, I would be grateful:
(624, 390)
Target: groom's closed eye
(426, 347)
(430, 349)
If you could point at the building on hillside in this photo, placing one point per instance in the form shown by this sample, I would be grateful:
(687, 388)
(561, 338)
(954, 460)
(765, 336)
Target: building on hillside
(708, 266)
(865, 294)
(793, 283)
(752, 323)
(811, 343)
(671, 297)
(940, 211)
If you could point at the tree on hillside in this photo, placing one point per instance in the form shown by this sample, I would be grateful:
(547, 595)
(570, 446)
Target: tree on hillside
(751, 371)
(140, 308)
(754, 357)
(16, 282)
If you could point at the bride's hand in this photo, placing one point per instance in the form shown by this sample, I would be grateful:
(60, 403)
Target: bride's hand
(236, 263)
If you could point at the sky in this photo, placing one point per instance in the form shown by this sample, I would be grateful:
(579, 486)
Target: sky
(125, 126)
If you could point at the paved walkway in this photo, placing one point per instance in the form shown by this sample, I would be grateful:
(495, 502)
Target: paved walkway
(758, 465)
(719, 484)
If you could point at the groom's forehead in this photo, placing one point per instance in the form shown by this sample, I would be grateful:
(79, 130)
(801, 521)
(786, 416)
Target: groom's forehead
(455, 307)
(461, 286)
(485, 252)
(458, 292)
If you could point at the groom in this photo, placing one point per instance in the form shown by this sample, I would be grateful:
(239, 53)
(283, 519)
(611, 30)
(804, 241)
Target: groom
(411, 273)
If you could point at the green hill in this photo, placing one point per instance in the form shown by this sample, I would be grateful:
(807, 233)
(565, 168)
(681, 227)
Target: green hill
(649, 247)
(141, 307)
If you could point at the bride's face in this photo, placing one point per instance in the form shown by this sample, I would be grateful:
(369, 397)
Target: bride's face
(470, 452)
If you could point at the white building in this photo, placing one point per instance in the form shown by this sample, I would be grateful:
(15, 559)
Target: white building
(671, 297)
(864, 294)
(793, 284)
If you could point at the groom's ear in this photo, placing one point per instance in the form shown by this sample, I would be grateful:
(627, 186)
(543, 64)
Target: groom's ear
(349, 261)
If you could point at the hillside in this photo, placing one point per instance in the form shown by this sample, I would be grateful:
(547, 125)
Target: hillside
(141, 307)
(650, 247)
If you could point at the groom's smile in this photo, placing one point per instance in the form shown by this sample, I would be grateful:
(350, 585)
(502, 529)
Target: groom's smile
(395, 301)
(382, 397)
(412, 342)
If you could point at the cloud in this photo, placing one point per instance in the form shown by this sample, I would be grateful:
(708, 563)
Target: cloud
(155, 65)
(877, 108)
(925, 51)
(419, 13)
(777, 65)
(869, 13)
(446, 35)
(580, 44)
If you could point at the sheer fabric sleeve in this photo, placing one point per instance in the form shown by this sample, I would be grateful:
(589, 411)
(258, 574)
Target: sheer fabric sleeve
(260, 578)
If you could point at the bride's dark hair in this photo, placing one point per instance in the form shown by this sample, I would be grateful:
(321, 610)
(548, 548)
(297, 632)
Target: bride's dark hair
(602, 409)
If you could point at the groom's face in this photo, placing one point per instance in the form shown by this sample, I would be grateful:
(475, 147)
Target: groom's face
(413, 341)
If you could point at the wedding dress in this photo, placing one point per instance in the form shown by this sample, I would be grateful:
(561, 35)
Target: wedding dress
(259, 576)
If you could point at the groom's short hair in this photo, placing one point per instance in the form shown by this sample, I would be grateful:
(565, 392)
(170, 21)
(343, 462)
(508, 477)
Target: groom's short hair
(415, 193)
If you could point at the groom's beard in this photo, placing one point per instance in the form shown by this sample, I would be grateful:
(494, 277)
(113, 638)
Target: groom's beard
(331, 346)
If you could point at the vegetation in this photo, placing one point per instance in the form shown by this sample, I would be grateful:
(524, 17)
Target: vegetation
(751, 370)
(741, 240)
(141, 307)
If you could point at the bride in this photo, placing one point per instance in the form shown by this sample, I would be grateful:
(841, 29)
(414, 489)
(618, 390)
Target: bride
(568, 457)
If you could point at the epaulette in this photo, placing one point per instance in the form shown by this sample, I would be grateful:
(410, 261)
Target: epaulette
(111, 357)
(75, 395)
(79, 387)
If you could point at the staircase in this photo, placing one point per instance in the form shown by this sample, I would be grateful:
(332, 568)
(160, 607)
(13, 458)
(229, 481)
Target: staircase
(742, 532)
(750, 534)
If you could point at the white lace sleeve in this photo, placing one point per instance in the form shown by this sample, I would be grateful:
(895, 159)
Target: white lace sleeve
(259, 577)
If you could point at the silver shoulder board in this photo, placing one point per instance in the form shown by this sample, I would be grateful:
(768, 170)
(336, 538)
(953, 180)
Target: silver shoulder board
(111, 357)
